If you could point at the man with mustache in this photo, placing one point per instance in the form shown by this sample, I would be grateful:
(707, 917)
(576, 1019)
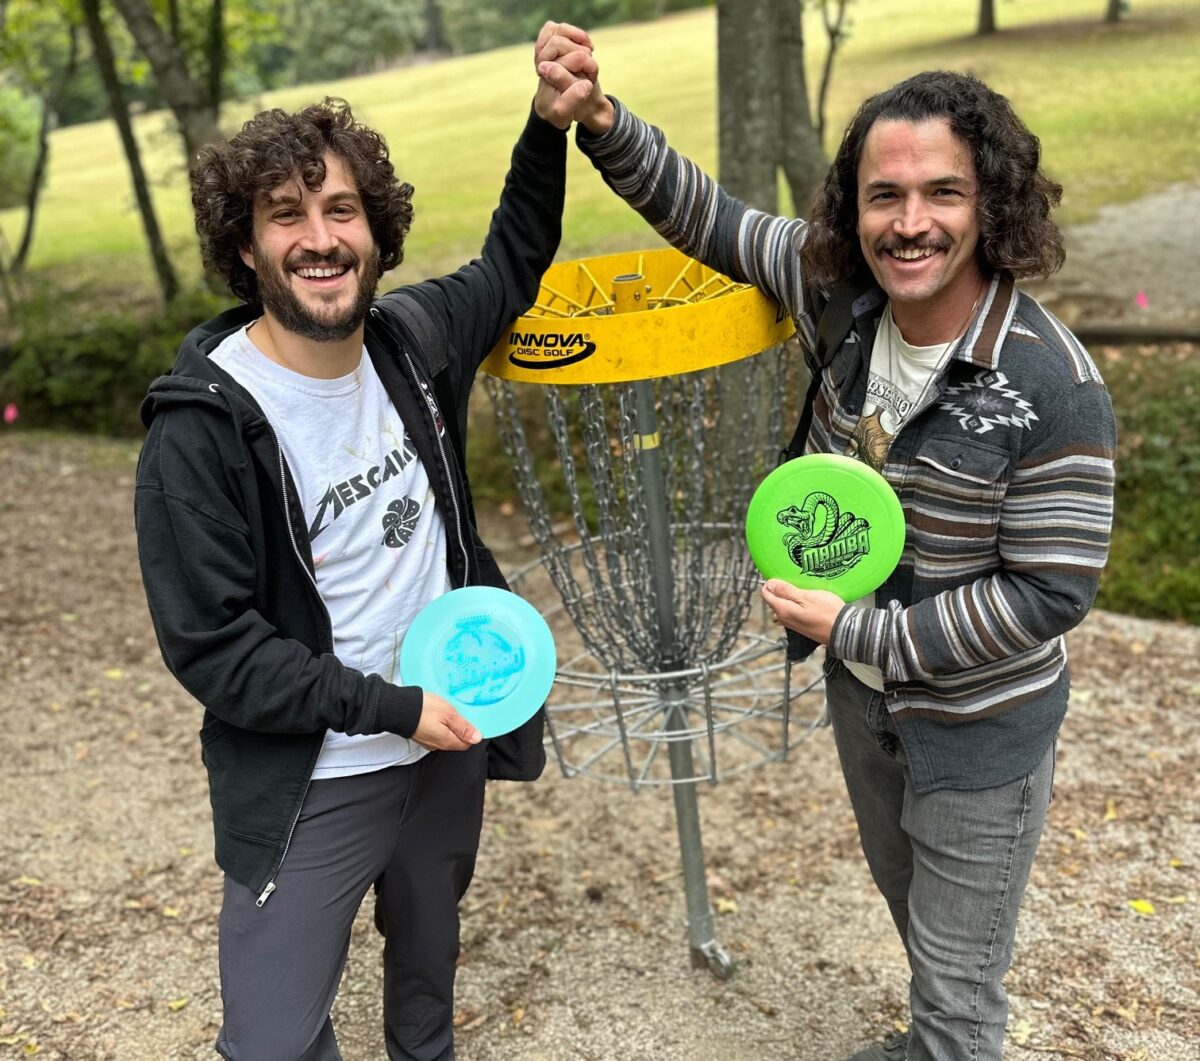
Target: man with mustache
(947, 687)
(301, 496)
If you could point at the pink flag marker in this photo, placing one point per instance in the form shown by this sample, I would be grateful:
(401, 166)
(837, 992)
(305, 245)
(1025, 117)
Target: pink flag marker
(1140, 300)
(11, 412)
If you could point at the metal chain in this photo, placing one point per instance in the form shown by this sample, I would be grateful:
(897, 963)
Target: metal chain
(719, 431)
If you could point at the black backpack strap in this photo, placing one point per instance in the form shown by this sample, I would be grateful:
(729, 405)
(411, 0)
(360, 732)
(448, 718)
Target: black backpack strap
(430, 348)
(836, 322)
(430, 343)
(434, 355)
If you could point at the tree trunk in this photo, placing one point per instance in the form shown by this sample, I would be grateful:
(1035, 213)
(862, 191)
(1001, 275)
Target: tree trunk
(186, 97)
(833, 40)
(804, 162)
(174, 23)
(6, 291)
(102, 49)
(435, 28)
(216, 55)
(34, 191)
(987, 17)
(37, 179)
(748, 101)
(1113, 11)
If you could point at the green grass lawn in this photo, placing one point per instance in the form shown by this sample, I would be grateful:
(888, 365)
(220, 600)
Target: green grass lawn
(1117, 108)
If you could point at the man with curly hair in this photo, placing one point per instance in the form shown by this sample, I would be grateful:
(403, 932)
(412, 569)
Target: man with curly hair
(946, 687)
(300, 497)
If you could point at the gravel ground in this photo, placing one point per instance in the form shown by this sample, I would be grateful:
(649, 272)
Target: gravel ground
(573, 934)
(1146, 247)
(573, 937)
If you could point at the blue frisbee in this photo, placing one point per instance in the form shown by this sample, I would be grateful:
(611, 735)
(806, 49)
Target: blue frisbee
(486, 651)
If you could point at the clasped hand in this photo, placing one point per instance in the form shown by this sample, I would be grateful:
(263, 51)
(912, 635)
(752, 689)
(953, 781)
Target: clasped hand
(569, 79)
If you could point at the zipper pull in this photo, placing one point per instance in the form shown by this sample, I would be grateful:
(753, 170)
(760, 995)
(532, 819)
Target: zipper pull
(266, 894)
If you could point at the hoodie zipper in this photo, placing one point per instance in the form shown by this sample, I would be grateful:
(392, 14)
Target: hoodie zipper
(287, 518)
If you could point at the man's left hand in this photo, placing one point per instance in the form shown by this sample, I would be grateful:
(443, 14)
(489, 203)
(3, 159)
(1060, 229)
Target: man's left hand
(557, 103)
(810, 612)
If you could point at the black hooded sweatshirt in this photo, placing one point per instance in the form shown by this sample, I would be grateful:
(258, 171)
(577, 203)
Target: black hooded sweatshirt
(224, 547)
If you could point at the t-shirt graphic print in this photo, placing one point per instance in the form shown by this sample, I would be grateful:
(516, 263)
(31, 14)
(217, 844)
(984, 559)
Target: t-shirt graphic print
(378, 541)
(898, 377)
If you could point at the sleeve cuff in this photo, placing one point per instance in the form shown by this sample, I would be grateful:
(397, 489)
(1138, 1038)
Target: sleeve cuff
(540, 137)
(605, 143)
(858, 635)
(400, 709)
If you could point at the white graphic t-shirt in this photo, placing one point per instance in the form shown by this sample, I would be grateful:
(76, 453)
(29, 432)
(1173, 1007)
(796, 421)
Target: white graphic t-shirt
(898, 378)
(378, 542)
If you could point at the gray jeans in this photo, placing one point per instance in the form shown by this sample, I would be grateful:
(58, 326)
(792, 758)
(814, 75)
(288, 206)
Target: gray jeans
(412, 831)
(952, 866)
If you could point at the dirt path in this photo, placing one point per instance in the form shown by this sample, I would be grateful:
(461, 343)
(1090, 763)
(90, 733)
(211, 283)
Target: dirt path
(1135, 263)
(573, 938)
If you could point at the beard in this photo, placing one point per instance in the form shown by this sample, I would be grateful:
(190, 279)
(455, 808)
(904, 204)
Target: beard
(276, 294)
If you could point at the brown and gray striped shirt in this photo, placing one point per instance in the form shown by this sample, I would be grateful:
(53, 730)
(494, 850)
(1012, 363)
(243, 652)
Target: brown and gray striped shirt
(1005, 475)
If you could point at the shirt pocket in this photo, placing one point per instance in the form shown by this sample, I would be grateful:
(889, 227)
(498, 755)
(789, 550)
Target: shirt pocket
(954, 491)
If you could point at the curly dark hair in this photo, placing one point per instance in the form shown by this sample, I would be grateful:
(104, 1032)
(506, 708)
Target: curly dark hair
(1016, 236)
(275, 146)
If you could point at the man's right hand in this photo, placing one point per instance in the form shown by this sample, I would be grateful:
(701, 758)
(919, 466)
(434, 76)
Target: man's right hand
(442, 729)
(564, 61)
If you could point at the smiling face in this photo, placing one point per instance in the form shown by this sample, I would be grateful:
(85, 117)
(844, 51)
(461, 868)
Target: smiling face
(315, 259)
(918, 224)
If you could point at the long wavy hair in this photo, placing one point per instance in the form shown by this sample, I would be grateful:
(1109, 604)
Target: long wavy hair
(1016, 236)
(275, 146)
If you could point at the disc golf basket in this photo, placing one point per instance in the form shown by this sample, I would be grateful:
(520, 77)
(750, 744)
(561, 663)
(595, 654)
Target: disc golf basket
(635, 455)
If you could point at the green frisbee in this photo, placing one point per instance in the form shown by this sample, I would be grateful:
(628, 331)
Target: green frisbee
(826, 522)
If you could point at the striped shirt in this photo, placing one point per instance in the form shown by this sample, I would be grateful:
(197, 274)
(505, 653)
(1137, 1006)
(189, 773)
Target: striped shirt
(1005, 475)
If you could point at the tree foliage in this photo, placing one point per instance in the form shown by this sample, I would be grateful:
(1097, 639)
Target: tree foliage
(375, 34)
(39, 54)
(20, 117)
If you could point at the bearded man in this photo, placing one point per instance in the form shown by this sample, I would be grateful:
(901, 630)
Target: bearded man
(946, 687)
(301, 496)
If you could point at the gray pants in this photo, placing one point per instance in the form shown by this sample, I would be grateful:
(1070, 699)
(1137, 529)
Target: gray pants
(412, 830)
(952, 866)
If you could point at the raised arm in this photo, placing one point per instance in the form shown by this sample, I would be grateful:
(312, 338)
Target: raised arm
(474, 304)
(683, 204)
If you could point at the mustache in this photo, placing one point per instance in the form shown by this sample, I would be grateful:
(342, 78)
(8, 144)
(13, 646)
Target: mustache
(886, 246)
(317, 261)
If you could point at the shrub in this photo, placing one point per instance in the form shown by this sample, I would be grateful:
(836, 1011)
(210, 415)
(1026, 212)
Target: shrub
(76, 370)
(1154, 566)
